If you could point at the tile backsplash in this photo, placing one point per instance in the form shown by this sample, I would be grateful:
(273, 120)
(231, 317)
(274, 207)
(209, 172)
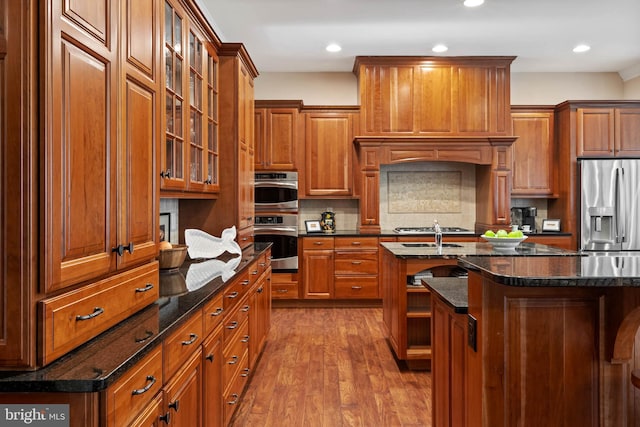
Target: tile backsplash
(414, 194)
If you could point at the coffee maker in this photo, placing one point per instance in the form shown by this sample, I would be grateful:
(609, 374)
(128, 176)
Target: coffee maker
(524, 217)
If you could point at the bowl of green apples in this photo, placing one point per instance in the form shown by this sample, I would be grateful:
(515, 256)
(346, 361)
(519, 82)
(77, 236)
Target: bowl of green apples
(502, 239)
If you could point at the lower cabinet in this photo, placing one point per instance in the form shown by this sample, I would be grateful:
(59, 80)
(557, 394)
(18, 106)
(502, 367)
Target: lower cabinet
(340, 267)
(182, 396)
(449, 337)
(212, 380)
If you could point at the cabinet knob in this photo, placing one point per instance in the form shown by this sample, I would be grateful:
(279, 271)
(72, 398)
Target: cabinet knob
(165, 174)
(175, 405)
(166, 418)
(210, 357)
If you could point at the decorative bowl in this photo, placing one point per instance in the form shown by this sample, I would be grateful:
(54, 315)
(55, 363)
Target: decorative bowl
(504, 242)
(172, 258)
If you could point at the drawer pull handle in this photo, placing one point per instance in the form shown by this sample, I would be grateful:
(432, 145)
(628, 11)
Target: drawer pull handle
(233, 361)
(146, 288)
(245, 309)
(148, 334)
(254, 272)
(356, 287)
(151, 379)
(96, 312)
(218, 311)
(245, 339)
(262, 264)
(232, 295)
(356, 262)
(232, 325)
(245, 373)
(194, 338)
(282, 291)
(234, 396)
(210, 357)
(245, 282)
(356, 243)
(318, 243)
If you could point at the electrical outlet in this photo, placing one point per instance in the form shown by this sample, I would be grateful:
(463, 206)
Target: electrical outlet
(472, 329)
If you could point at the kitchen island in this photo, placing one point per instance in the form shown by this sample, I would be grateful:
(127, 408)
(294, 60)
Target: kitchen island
(406, 307)
(546, 341)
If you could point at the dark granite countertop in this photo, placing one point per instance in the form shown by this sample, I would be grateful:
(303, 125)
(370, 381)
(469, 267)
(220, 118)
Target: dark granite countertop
(98, 363)
(593, 270)
(391, 233)
(427, 250)
(452, 290)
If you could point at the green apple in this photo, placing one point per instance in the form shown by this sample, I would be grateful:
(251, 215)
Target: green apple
(489, 233)
(502, 233)
(515, 234)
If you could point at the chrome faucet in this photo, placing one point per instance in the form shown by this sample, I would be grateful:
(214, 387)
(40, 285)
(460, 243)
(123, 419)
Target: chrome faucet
(438, 231)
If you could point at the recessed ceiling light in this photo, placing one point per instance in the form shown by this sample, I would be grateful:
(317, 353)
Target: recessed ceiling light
(333, 47)
(581, 48)
(440, 48)
(473, 3)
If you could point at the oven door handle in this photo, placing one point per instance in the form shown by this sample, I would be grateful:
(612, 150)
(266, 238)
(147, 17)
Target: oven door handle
(276, 184)
(285, 231)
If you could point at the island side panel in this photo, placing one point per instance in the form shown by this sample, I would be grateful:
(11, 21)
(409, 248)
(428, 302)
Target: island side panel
(541, 355)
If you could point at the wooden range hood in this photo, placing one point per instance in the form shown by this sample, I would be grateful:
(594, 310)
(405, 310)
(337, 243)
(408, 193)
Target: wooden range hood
(453, 109)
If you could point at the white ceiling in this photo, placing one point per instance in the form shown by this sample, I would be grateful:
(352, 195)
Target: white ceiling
(291, 35)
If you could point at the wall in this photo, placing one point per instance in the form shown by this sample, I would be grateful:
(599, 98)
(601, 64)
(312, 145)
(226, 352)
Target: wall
(632, 88)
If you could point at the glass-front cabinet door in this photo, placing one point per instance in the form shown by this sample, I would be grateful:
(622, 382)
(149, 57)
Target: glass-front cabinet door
(173, 150)
(190, 153)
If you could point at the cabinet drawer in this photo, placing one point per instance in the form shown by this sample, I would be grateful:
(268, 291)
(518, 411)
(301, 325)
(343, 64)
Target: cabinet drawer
(134, 390)
(234, 321)
(234, 391)
(317, 243)
(245, 237)
(356, 287)
(284, 291)
(74, 317)
(213, 313)
(236, 291)
(182, 343)
(356, 243)
(346, 262)
(234, 352)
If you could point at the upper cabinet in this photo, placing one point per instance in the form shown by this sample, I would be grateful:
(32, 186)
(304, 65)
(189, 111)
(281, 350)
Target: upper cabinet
(329, 151)
(278, 135)
(99, 158)
(190, 152)
(434, 96)
(533, 152)
(608, 131)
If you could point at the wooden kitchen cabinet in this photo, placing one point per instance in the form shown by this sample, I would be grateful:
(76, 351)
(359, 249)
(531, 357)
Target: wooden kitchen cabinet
(235, 203)
(259, 317)
(182, 395)
(433, 95)
(608, 132)
(534, 155)
(212, 386)
(190, 152)
(449, 335)
(317, 267)
(407, 308)
(278, 135)
(100, 200)
(329, 151)
(356, 268)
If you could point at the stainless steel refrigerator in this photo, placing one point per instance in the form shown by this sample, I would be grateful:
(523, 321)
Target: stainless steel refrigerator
(610, 198)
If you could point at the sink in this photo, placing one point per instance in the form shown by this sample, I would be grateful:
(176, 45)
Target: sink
(430, 245)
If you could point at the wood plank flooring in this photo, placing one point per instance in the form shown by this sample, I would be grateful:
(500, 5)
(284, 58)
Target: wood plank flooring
(332, 367)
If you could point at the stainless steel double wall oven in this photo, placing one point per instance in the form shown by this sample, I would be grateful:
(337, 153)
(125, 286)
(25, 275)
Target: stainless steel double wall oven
(276, 217)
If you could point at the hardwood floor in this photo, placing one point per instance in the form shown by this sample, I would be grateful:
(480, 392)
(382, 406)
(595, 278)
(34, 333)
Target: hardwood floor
(332, 367)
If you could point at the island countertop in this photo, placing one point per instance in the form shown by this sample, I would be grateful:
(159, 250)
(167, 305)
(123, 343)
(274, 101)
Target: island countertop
(427, 250)
(593, 270)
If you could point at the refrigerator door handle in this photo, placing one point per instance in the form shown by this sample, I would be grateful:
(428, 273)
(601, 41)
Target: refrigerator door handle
(619, 213)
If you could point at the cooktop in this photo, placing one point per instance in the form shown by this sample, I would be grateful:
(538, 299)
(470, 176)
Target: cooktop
(427, 230)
